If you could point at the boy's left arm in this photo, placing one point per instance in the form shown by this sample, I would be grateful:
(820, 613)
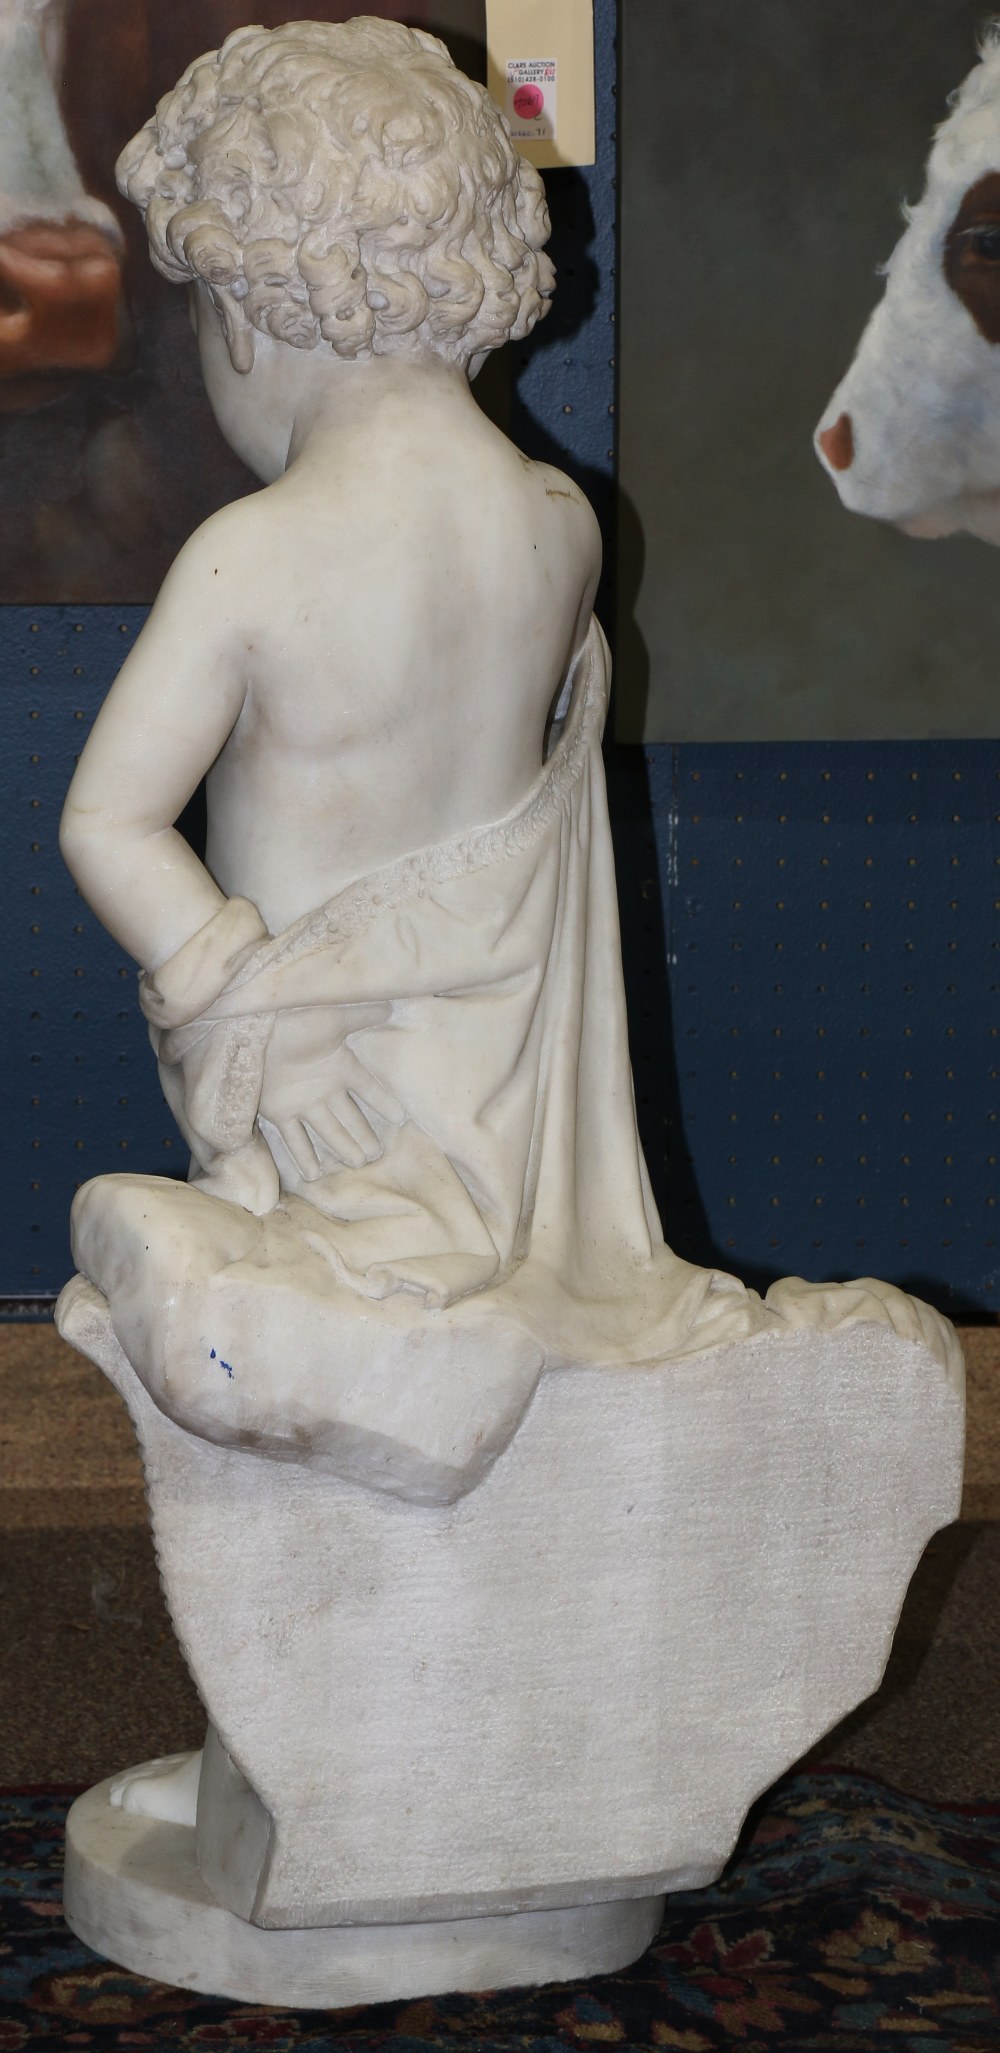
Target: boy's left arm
(168, 714)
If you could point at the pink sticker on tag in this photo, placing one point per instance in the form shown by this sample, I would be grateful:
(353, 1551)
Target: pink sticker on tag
(528, 102)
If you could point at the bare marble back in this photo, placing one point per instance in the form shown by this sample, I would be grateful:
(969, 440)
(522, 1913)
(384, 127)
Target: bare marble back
(404, 645)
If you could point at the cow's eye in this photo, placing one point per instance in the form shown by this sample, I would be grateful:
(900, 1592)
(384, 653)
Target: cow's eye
(984, 243)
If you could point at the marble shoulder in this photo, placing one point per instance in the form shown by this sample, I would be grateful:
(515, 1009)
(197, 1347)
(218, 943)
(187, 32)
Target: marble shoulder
(220, 562)
(566, 498)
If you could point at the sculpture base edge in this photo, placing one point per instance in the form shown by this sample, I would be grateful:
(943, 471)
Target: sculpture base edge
(134, 1894)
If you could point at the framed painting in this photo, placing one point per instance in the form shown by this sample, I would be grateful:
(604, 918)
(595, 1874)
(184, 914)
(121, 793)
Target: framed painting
(766, 154)
(108, 454)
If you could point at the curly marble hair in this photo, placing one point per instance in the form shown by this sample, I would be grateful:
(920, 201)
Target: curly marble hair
(343, 182)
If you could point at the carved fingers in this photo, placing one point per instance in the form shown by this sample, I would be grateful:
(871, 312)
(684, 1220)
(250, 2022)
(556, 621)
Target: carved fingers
(340, 1122)
(346, 1132)
(295, 1135)
(364, 1086)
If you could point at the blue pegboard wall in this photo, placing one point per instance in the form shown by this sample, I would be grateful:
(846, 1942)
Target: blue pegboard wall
(812, 956)
(79, 1092)
(809, 932)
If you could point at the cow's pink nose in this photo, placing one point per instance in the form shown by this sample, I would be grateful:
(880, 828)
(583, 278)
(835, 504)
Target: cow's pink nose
(837, 443)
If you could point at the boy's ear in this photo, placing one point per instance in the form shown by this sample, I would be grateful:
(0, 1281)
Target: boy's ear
(236, 329)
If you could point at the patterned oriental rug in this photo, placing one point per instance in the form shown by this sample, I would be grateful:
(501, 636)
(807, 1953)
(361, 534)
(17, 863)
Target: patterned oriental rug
(851, 1918)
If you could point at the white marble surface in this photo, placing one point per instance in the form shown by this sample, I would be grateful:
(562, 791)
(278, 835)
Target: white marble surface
(569, 1685)
(134, 1894)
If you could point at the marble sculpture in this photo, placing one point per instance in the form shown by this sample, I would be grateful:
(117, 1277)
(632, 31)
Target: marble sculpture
(512, 1555)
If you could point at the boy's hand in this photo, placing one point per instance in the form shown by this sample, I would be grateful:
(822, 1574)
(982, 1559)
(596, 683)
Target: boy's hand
(316, 1089)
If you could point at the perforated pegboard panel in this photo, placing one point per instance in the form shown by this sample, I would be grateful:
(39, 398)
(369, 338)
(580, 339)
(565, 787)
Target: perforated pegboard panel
(78, 1091)
(813, 962)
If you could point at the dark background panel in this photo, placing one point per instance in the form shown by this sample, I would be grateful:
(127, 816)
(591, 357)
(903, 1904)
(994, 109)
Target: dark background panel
(78, 1089)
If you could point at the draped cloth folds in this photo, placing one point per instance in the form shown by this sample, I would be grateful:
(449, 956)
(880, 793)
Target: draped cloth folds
(469, 999)
(486, 974)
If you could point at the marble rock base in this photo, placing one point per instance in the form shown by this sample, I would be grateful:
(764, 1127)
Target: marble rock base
(451, 1746)
(133, 1892)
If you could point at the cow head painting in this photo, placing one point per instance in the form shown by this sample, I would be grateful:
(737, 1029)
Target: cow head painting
(912, 433)
(109, 455)
(60, 247)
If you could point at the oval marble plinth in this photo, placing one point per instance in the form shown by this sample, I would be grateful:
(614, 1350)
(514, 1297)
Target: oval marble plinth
(134, 1894)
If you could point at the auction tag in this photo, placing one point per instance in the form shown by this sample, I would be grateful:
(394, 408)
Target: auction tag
(530, 105)
(541, 72)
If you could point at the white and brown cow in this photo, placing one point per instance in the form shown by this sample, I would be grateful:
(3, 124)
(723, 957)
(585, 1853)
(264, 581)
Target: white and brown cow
(60, 248)
(912, 433)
